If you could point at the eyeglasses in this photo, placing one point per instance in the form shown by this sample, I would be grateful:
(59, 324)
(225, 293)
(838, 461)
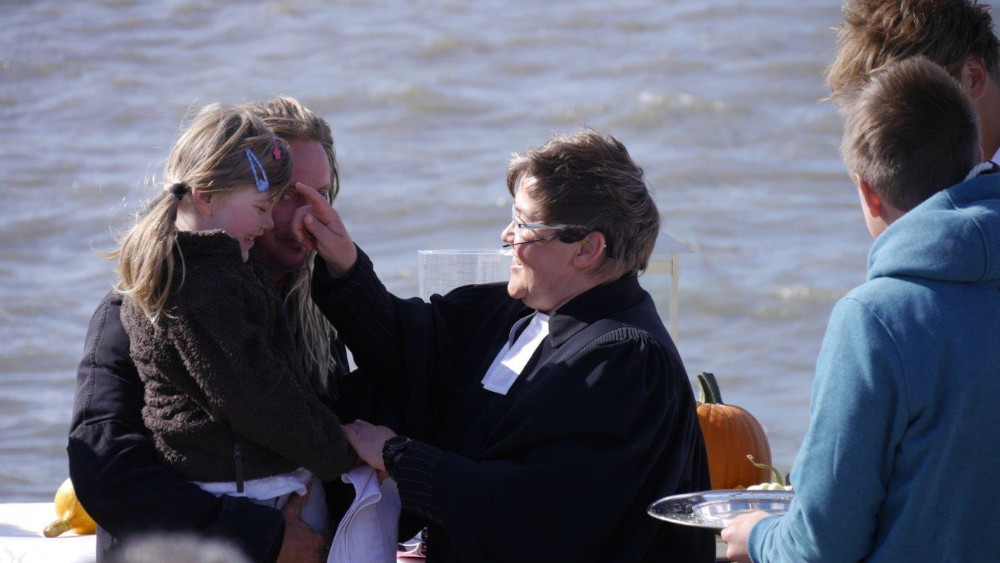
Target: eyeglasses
(520, 226)
(574, 232)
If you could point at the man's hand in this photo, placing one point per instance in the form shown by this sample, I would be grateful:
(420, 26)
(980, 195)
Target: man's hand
(301, 543)
(368, 440)
(318, 226)
(736, 534)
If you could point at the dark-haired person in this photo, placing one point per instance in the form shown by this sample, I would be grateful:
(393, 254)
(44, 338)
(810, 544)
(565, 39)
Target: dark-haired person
(899, 460)
(545, 414)
(113, 462)
(958, 35)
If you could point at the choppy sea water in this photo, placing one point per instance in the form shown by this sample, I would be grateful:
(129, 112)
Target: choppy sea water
(718, 101)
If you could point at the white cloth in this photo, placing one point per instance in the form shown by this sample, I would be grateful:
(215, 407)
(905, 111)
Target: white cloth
(368, 532)
(996, 157)
(274, 491)
(509, 363)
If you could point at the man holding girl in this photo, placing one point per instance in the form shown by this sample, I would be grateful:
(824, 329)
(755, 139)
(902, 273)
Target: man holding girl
(556, 406)
(119, 476)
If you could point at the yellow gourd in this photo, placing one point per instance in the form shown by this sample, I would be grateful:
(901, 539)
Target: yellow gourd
(71, 514)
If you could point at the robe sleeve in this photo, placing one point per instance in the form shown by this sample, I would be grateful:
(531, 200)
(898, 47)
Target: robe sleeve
(396, 341)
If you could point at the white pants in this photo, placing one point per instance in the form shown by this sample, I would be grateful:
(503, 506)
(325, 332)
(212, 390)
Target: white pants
(275, 491)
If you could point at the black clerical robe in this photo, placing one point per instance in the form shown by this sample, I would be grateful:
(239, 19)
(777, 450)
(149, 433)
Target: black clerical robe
(600, 423)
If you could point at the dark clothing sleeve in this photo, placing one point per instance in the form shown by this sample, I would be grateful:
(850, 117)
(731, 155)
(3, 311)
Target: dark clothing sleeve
(115, 468)
(362, 293)
(392, 381)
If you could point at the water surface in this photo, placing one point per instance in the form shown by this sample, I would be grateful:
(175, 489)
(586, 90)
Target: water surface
(718, 101)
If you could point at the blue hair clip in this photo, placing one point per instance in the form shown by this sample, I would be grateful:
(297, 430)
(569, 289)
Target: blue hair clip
(259, 176)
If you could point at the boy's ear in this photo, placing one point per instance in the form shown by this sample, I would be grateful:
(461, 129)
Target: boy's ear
(202, 202)
(873, 204)
(973, 77)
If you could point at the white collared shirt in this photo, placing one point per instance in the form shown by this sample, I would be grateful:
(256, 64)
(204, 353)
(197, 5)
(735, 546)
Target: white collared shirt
(509, 363)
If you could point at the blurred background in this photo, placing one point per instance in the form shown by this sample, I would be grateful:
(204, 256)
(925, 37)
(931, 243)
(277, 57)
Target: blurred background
(719, 101)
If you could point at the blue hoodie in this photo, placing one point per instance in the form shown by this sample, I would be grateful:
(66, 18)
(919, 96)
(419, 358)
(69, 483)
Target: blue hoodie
(902, 458)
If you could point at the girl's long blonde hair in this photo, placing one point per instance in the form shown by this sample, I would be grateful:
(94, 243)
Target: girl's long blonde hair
(210, 156)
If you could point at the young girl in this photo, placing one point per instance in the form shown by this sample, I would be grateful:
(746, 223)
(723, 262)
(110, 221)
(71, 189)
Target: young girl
(226, 396)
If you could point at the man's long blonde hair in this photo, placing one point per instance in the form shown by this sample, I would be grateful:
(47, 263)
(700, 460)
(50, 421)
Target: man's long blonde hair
(289, 119)
(210, 156)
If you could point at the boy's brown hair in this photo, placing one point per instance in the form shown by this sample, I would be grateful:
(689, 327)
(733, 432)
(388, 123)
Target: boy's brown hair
(911, 132)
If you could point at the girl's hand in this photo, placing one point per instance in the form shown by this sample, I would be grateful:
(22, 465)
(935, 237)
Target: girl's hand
(318, 226)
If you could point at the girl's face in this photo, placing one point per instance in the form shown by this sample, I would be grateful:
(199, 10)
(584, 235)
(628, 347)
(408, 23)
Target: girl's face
(244, 213)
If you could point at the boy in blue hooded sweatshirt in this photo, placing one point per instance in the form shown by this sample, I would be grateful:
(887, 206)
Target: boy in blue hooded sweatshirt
(900, 459)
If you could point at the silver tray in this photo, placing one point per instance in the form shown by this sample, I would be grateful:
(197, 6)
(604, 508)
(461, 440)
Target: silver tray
(713, 509)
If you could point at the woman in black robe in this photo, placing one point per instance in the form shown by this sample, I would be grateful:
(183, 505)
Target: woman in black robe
(532, 421)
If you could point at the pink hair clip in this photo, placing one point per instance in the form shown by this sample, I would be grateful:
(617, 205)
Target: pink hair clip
(275, 151)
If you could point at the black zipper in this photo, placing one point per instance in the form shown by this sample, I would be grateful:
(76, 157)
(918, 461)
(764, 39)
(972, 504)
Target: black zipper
(238, 459)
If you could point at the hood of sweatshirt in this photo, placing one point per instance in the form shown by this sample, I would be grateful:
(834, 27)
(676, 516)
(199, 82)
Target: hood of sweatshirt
(953, 236)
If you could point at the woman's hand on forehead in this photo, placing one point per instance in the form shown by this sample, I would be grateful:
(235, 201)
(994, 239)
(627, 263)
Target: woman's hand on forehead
(317, 226)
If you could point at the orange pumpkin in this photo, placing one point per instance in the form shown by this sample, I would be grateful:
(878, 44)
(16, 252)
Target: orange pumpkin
(731, 433)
